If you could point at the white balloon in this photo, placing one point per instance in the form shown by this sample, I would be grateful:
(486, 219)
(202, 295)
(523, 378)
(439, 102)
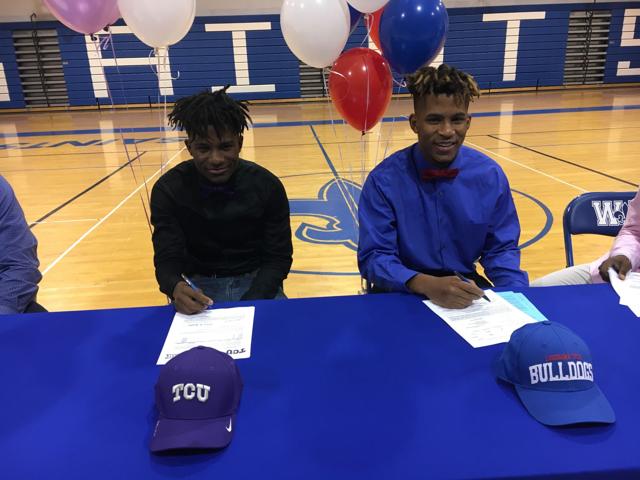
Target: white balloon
(316, 31)
(158, 23)
(368, 6)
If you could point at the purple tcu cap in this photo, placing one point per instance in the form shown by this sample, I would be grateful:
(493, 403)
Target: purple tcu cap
(197, 395)
(553, 374)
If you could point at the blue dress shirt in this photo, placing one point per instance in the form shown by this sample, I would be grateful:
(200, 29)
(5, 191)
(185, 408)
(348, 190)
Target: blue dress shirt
(408, 225)
(19, 275)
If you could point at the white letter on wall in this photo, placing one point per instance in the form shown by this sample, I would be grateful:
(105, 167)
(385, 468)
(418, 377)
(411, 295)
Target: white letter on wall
(240, 57)
(513, 37)
(4, 88)
(439, 60)
(97, 64)
(628, 40)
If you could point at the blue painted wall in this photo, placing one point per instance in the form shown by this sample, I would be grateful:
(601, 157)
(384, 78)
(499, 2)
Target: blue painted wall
(203, 59)
(10, 66)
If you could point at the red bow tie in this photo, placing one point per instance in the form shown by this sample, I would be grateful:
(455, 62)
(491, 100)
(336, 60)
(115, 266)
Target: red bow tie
(429, 174)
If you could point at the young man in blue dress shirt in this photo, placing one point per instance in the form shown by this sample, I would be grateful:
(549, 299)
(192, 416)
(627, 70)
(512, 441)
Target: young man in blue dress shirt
(433, 209)
(19, 274)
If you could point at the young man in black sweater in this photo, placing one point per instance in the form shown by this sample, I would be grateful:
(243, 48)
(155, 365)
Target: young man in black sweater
(220, 221)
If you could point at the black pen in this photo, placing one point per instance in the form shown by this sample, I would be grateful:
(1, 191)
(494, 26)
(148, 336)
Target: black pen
(465, 279)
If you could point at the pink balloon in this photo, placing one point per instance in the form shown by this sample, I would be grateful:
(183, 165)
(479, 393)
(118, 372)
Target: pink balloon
(115, 14)
(84, 16)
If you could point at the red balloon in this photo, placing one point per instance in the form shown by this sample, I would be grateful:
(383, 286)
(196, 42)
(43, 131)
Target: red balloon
(373, 25)
(360, 85)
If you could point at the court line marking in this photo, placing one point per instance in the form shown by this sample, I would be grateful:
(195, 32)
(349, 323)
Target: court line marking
(323, 172)
(85, 191)
(61, 169)
(552, 145)
(352, 205)
(568, 162)
(547, 224)
(396, 139)
(480, 114)
(106, 217)
(83, 152)
(580, 189)
(66, 221)
(333, 274)
(603, 108)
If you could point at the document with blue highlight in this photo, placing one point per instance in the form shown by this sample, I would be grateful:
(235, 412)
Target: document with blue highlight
(484, 323)
(521, 302)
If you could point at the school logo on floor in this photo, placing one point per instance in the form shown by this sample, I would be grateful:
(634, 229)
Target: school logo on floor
(336, 210)
(332, 219)
(610, 213)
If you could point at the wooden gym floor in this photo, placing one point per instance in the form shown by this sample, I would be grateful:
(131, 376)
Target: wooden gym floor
(83, 179)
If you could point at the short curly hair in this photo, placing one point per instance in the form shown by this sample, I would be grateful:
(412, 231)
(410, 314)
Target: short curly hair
(445, 80)
(196, 113)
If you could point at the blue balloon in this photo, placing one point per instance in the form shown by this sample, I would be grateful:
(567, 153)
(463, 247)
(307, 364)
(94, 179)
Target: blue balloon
(355, 17)
(412, 32)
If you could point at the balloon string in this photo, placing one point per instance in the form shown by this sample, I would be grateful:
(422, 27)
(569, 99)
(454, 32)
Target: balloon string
(160, 64)
(106, 41)
(135, 145)
(120, 130)
(368, 25)
(164, 110)
(363, 162)
(156, 68)
(393, 121)
(369, 18)
(367, 69)
(344, 191)
(400, 83)
(152, 64)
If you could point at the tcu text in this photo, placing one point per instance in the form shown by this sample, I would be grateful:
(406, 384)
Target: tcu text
(189, 391)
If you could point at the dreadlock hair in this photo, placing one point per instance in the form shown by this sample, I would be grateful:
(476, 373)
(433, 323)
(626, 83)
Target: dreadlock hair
(445, 80)
(198, 112)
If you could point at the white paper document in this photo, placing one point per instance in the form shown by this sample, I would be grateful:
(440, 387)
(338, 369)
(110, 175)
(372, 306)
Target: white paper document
(628, 289)
(226, 329)
(483, 323)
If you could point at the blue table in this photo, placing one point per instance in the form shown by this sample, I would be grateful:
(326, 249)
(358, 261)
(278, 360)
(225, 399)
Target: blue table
(362, 387)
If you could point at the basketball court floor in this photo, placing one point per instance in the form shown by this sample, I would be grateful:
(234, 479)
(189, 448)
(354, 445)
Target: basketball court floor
(84, 177)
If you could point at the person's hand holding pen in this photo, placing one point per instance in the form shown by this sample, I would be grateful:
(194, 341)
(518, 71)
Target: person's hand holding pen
(188, 298)
(447, 292)
(465, 279)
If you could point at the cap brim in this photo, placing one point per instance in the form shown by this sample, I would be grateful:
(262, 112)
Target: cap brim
(567, 408)
(498, 369)
(172, 434)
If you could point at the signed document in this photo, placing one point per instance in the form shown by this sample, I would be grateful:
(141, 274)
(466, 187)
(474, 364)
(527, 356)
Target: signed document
(628, 289)
(226, 329)
(483, 323)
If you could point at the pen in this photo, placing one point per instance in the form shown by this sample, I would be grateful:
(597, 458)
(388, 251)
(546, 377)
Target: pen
(195, 289)
(189, 282)
(465, 279)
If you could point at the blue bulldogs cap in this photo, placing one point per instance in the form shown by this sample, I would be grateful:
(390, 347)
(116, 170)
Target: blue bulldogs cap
(197, 395)
(552, 372)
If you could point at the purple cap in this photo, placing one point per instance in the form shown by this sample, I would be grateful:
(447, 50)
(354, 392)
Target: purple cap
(197, 395)
(553, 373)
